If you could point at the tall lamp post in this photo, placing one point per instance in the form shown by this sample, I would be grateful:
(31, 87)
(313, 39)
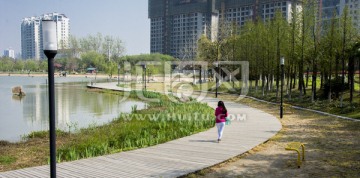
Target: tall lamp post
(144, 75)
(217, 79)
(282, 63)
(194, 77)
(50, 50)
(200, 71)
(118, 74)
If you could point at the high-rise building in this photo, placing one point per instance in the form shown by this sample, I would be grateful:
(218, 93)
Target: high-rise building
(31, 34)
(176, 25)
(9, 53)
(329, 9)
(354, 11)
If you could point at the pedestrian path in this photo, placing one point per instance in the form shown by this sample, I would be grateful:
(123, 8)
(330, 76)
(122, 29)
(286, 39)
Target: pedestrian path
(174, 158)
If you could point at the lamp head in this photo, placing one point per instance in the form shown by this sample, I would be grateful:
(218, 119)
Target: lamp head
(282, 61)
(49, 35)
(119, 66)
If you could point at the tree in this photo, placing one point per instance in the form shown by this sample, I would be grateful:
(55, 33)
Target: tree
(110, 68)
(206, 50)
(348, 34)
(31, 65)
(92, 59)
(19, 65)
(305, 41)
(43, 66)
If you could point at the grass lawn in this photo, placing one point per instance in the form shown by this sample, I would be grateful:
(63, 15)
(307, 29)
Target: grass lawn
(320, 104)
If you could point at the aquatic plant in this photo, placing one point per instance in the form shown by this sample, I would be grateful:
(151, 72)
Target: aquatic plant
(161, 122)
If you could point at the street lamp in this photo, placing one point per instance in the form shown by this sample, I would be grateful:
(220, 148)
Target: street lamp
(216, 78)
(282, 63)
(200, 81)
(118, 74)
(50, 50)
(144, 75)
(194, 77)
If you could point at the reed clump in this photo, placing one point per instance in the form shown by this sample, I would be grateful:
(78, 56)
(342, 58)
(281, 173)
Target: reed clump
(161, 122)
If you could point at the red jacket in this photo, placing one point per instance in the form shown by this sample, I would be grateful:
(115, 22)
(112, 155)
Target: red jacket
(220, 117)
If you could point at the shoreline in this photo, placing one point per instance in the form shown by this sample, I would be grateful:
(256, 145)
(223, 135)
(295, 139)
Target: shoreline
(55, 75)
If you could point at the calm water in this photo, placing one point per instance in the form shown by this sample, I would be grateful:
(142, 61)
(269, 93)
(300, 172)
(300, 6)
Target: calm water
(74, 106)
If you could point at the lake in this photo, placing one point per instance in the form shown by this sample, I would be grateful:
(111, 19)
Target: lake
(75, 106)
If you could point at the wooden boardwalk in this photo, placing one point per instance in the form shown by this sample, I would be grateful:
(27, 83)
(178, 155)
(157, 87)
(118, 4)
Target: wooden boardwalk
(174, 158)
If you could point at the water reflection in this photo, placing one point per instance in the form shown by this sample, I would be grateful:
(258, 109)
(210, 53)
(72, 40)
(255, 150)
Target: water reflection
(74, 106)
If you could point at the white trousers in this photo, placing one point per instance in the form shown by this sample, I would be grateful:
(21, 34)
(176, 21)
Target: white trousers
(220, 126)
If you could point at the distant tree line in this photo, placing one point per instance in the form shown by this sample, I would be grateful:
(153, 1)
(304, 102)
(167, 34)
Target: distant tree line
(22, 66)
(104, 53)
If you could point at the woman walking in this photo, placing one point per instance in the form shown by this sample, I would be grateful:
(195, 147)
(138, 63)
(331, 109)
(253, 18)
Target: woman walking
(221, 114)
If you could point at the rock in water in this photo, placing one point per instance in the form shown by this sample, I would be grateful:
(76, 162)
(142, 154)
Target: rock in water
(18, 91)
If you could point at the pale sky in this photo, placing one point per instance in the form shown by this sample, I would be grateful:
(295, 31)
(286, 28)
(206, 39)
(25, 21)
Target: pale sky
(126, 19)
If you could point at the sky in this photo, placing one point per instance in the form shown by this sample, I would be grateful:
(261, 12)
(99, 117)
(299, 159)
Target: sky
(126, 19)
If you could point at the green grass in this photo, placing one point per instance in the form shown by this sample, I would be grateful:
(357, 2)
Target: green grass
(321, 104)
(161, 122)
(7, 160)
(44, 134)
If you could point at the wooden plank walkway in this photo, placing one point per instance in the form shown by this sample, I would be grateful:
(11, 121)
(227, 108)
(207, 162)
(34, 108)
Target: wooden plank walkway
(174, 158)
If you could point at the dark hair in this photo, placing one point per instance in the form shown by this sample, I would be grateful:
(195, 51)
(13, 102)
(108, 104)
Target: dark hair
(221, 104)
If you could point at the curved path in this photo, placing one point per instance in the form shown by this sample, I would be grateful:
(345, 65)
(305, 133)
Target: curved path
(174, 158)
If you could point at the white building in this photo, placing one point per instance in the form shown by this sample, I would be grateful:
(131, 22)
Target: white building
(9, 53)
(31, 34)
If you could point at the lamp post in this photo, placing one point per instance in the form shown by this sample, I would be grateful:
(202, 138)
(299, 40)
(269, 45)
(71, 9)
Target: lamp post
(358, 50)
(282, 63)
(217, 79)
(50, 50)
(144, 75)
(108, 49)
(200, 71)
(118, 74)
(194, 77)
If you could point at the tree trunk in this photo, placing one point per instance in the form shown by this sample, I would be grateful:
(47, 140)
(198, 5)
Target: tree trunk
(263, 84)
(343, 60)
(267, 84)
(288, 81)
(290, 84)
(307, 77)
(351, 70)
(336, 66)
(278, 61)
(294, 75)
(313, 85)
(256, 84)
(329, 94)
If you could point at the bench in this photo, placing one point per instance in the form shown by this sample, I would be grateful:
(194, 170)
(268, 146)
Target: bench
(295, 146)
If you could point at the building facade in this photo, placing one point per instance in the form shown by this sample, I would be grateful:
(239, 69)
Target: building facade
(328, 9)
(31, 34)
(176, 25)
(9, 53)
